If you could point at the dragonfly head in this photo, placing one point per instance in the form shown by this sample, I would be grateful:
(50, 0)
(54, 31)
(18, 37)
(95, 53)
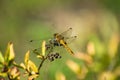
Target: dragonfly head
(56, 34)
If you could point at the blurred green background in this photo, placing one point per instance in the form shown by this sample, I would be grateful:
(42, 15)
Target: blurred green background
(95, 22)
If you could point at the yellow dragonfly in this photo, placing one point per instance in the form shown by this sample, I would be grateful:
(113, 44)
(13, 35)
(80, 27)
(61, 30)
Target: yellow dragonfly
(61, 40)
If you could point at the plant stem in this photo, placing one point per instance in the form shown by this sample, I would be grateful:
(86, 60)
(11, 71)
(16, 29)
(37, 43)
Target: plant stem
(41, 63)
(8, 76)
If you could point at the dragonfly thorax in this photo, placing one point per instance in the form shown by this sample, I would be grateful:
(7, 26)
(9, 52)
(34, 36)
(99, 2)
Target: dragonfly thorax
(54, 42)
(58, 36)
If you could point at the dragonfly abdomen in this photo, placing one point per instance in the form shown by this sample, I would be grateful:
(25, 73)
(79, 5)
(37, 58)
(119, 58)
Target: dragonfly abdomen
(66, 47)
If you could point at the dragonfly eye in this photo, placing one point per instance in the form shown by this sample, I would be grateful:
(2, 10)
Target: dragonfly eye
(55, 34)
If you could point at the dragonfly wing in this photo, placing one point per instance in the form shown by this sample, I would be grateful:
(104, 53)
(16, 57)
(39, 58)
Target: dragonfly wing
(66, 33)
(70, 39)
(38, 40)
(35, 43)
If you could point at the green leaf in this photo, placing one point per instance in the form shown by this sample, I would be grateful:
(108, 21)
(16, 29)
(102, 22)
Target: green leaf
(3, 74)
(12, 54)
(43, 48)
(26, 59)
(9, 55)
(33, 66)
(1, 66)
(1, 58)
(29, 65)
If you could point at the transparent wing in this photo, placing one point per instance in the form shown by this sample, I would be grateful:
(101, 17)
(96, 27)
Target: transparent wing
(67, 36)
(38, 40)
(66, 33)
(70, 39)
(34, 44)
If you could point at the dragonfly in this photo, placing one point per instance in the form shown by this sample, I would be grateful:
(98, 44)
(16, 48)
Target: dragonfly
(60, 39)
